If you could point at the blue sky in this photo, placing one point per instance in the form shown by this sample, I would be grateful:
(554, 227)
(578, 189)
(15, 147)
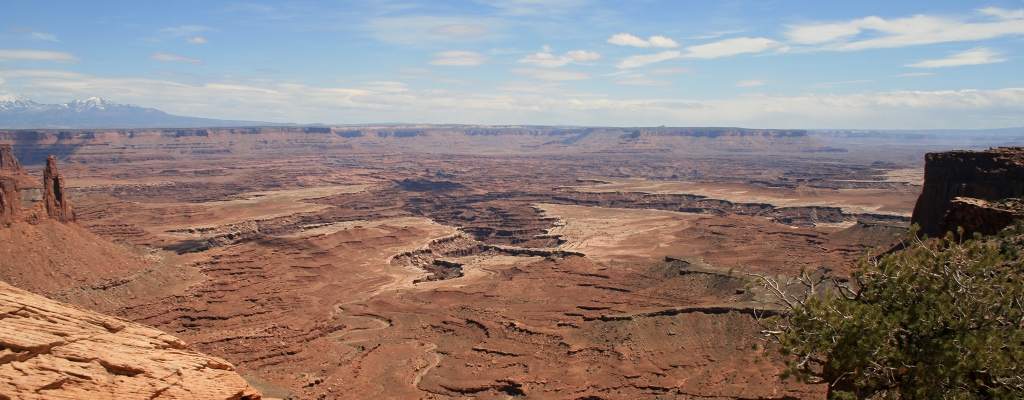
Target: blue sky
(763, 64)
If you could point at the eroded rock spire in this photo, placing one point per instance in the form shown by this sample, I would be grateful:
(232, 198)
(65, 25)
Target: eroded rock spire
(57, 206)
(8, 163)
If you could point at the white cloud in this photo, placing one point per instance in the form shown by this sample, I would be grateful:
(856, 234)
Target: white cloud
(971, 57)
(38, 55)
(821, 33)
(546, 59)
(722, 48)
(731, 47)
(389, 101)
(43, 36)
(460, 30)
(551, 75)
(876, 32)
(641, 60)
(750, 83)
(583, 55)
(196, 40)
(167, 57)
(625, 39)
(458, 58)
(1001, 13)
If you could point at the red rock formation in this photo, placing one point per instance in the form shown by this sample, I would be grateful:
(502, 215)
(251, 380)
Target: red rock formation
(10, 200)
(976, 215)
(987, 175)
(10, 196)
(57, 206)
(52, 350)
(8, 163)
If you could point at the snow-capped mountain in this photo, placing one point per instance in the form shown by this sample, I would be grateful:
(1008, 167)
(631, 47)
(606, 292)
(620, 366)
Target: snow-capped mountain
(18, 112)
(14, 101)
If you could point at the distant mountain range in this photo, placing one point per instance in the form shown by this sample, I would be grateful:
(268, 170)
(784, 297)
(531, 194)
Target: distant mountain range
(18, 112)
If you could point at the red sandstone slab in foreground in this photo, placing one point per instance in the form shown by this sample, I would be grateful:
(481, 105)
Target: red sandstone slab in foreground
(50, 350)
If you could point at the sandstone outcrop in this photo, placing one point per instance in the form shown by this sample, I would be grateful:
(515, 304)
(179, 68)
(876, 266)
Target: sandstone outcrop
(51, 350)
(8, 163)
(10, 195)
(976, 215)
(10, 200)
(990, 175)
(57, 206)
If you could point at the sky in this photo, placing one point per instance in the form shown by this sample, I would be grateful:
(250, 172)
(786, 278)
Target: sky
(758, 64)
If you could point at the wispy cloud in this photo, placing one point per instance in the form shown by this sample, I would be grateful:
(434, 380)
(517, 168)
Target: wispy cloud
(625, 39)
(552, 74)
(43, 36)
(458, 58)
(876, 32)
(167, 57)
(417, 29)
(38, 55)
(183, 30)
(718, 34)
(669, 71)
(196, 40)
(731, 47)
(534, 7)
(840, 83)
(460, 30)
(644, 59)
(546, 59)
(750, 83)
(544, 103)
(722, 48)
(914, 74)
(640, 80)
(971, 57)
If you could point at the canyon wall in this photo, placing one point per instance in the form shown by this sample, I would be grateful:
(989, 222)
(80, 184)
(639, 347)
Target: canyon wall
(991, 176)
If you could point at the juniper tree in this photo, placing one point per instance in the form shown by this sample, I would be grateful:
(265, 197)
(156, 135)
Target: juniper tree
(942, 318)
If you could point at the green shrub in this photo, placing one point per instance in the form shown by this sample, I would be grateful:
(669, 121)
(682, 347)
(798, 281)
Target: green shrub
(942, 318)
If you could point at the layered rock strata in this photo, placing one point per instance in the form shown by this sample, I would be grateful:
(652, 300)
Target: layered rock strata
(990, 175)
(51, 350)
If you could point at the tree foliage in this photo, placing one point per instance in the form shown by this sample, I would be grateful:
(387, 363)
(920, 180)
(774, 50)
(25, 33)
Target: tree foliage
(941, 318)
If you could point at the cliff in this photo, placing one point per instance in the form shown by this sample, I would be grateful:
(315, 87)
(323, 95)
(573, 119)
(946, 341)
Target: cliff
(990, 176)
(51, 350)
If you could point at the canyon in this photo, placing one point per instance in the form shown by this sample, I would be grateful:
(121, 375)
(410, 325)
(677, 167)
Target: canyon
(455, 261)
